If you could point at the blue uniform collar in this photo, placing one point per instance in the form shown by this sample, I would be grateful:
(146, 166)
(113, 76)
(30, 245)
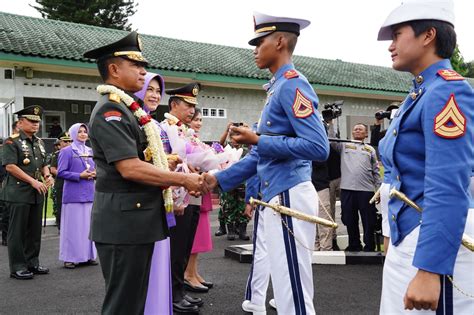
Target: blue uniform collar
(429, 73)
(280, 72)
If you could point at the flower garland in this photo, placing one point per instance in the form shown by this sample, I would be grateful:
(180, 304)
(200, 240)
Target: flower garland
(152, 134)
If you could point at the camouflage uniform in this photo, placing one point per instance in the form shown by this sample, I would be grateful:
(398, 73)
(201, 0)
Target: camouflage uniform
(231, 212)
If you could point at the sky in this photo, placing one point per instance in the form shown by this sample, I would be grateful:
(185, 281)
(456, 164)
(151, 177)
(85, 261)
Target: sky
(340, 29)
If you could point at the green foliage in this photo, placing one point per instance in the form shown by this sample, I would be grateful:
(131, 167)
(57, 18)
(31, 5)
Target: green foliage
(103, 13)
(458, 63)
(470, 69)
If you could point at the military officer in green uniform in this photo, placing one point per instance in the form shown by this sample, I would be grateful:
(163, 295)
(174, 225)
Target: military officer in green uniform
(24, 190)
(3, 222)
(128, 215)
(57, 191)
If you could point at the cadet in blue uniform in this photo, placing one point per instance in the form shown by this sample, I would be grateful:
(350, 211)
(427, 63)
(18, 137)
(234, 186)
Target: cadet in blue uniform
(290, 135)
(429, 145)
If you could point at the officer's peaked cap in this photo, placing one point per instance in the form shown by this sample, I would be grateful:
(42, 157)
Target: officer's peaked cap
(129, 47)
(266, 24)
(32, 113)
(187, 93)
(413, 10)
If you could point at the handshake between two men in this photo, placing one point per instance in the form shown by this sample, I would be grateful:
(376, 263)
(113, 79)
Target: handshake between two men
(201, 183)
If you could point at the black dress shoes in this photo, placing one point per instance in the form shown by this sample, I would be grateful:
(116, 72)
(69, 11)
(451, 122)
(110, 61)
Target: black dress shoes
(39, 270)
(194, 301)
(4, 242)
(194, 288)
(22, 275)
(184, 306)
(209, 285)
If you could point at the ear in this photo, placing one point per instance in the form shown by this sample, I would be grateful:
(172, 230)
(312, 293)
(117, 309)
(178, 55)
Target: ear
(430, 36)
(280, 42)
(114, 70)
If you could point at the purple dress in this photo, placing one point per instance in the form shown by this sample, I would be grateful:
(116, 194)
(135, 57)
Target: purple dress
(159, 297)
(78, 195)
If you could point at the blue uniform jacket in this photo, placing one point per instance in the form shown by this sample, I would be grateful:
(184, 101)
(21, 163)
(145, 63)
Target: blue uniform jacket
(291, 136)
(429, 145)
(385, 162)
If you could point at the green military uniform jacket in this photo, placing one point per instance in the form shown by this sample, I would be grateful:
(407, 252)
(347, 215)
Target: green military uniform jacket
(124, 212)
(29, 155)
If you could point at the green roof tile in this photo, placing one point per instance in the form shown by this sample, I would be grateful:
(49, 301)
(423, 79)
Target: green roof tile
(30, 36)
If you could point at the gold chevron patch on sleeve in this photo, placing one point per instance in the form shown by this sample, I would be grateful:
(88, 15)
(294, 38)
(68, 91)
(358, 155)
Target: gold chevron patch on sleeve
(450, 123)
(302, 106)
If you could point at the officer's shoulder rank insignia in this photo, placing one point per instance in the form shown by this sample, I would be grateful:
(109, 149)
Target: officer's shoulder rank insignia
(114, 98)
(450, 123)
(290, 74)
(15, 135)
(302, 106)
(450, 75)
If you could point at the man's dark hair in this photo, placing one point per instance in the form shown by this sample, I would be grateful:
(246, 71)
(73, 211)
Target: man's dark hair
(290, 38)
(14, 125)
(445, 35)
(173, 99)
(103, 66)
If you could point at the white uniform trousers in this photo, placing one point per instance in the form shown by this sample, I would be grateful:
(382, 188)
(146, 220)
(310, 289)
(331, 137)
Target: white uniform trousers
(384, 198)
(259, 276)
(289, 261)
(398, 272)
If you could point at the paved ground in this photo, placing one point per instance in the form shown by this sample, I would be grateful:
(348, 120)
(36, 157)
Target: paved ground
(338, 289)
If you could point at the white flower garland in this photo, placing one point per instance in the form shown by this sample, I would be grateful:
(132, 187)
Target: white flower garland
(152, 134)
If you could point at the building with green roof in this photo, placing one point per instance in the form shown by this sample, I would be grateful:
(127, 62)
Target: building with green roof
(41, 63)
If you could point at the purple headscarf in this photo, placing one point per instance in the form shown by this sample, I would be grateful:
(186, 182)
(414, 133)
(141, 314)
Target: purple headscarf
(77, 145)
(148, 77)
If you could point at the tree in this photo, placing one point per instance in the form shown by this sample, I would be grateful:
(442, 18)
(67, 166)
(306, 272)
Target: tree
(470, 71)
(103, 13)
(457, 61)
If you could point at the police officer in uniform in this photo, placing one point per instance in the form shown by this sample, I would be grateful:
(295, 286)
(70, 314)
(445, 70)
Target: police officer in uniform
(57, 192)
(289, 135)
(182, 103)
(430, 148)
(128, 215)
(24, 159)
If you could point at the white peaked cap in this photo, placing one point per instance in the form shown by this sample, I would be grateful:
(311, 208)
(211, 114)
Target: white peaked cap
(266, 24)
(412, 10)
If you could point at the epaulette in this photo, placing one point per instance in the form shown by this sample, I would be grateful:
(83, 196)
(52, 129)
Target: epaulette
(450, 75)
(368, 149)
(15, 135)
(290, 74)
(114, 98)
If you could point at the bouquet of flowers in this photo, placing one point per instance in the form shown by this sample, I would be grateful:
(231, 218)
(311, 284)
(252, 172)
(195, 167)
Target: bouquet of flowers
(207, 158)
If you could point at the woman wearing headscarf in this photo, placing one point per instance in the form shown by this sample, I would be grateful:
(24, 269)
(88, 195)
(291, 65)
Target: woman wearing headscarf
(159, 297)
(76, 167)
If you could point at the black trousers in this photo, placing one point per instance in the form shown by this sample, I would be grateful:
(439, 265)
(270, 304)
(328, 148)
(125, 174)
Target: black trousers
(126, 270)
(181, 242)
(353, 202)
(24, 235)
(4, 219)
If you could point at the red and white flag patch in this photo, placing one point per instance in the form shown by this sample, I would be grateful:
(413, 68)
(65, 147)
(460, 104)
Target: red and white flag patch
(450, 123)
(302, 106)
(113, 115)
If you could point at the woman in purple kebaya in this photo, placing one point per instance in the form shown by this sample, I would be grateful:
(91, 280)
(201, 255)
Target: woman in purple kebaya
(76, 167)
(158, 300)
